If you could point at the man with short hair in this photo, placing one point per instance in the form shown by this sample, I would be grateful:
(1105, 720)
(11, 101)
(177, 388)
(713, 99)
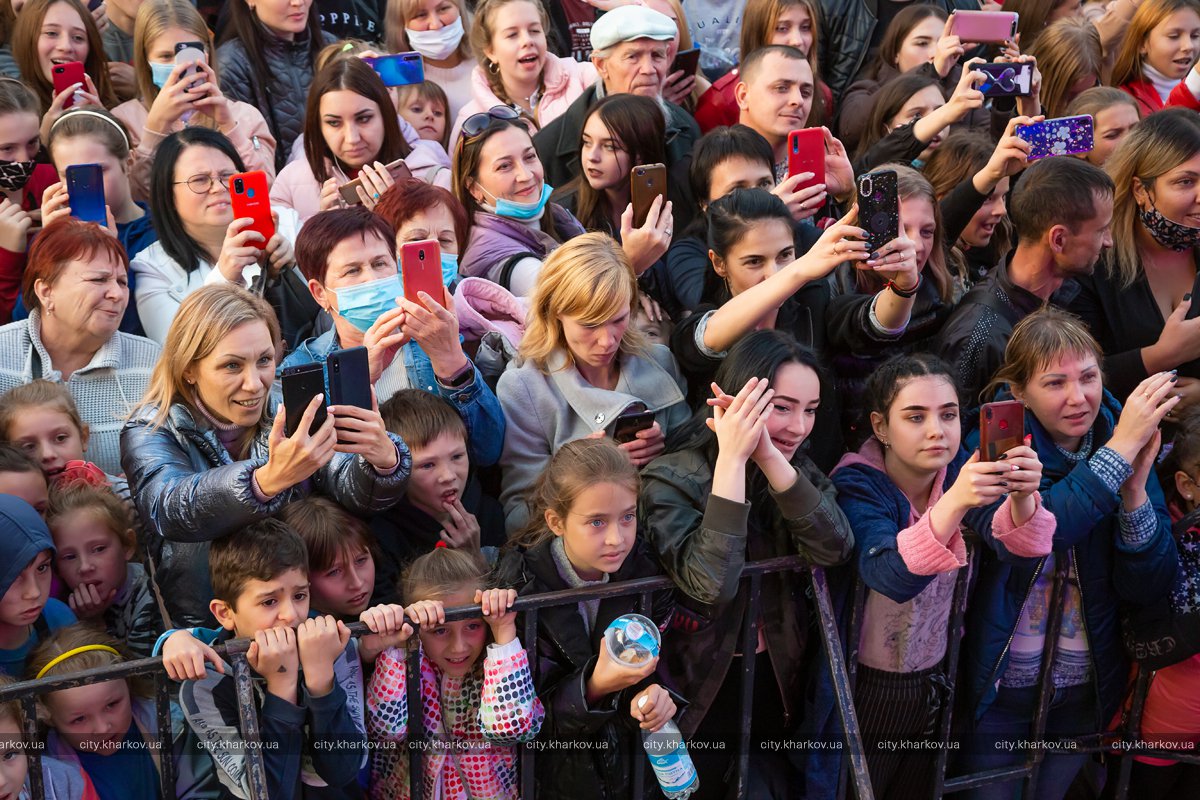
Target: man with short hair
(1062, 213)
(629, 49)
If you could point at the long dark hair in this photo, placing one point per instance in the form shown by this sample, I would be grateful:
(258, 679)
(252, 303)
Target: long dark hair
(245, 27)
(174, 237)
(349, 74)
(635, 122)
(466, 160)
(757, 355)
(890, 376)
(727, 220)
(888, 101)
(897, 31)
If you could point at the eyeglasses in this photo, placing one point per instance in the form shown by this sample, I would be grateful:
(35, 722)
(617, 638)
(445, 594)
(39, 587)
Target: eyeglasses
(478, 123)
(202, 184)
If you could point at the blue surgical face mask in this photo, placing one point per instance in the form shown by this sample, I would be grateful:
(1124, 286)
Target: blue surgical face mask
(159, 73)
(364, 303)
(449, 268)
(524, 212)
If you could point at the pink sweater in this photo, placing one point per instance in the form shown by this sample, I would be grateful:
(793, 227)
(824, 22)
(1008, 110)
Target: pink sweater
(563, 79)
(250, 135)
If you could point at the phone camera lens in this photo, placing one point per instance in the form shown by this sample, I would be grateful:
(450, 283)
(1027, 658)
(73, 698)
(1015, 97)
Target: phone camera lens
(420, 255)
(989, 414)
(238, 186)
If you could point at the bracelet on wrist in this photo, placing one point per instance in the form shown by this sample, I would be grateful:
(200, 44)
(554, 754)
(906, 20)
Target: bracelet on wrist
(905, 293)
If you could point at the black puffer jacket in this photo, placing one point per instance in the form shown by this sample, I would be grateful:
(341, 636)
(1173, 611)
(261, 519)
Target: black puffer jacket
(282, 100)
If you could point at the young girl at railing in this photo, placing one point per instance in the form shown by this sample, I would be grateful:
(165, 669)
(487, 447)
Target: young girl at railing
(110, 729)
(582, 532)
(96, 543)
(907, 492)
(60, 780)
(474, 710)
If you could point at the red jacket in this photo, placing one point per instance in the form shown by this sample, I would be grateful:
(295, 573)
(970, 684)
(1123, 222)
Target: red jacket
(12, 264)
(1148, 100)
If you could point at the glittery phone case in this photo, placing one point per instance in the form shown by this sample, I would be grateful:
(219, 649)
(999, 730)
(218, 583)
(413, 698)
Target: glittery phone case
(1058, 137)
(879, 207)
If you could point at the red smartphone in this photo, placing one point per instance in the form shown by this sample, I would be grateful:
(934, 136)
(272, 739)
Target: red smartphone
(250, 197)
(1001, 428)
(806, 153)
(980, 27)
(65, 76)
(421, 271)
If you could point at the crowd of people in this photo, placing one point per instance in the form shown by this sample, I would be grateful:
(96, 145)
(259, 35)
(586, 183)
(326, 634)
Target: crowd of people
(603, 387)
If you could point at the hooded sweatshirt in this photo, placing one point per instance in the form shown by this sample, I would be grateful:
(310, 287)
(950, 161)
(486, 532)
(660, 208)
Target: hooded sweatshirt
(24, 536)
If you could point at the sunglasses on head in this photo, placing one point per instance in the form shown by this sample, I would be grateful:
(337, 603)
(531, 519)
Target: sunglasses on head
(478, 123)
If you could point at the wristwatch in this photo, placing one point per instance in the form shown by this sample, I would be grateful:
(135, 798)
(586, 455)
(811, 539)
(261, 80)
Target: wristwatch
(460, 378)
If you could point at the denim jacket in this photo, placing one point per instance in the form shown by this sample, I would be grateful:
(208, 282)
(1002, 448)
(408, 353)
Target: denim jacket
(475, 402)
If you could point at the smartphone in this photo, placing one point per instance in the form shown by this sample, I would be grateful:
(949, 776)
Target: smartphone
(646, 182)
(349, 377)
(980, 27)
(397, 169)
(1058, 137)
(400, 69)
(421, 271)
(300, 385)
(66, 75)
(1194, 309)
(1006, 80)
(1001, 428)
(686, 60)
(629, 424)
(190, 53)
(85, 192)
(250, 197)
(806, 153)
(879, 207)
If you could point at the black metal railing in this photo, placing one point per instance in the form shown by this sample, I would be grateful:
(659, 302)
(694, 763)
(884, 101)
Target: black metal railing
(840, 662)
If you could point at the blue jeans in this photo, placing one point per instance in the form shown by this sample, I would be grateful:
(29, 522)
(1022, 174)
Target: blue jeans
(1010, 718)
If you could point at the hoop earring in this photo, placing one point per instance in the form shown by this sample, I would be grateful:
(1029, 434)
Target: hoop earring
(493, 67)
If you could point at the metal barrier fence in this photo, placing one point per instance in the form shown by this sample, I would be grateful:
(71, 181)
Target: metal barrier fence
(838, 659)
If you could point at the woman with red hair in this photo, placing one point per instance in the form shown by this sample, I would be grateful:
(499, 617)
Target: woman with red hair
(76, 287)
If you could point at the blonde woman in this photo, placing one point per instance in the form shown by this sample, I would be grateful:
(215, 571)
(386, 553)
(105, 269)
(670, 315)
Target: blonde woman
(1156, 62)
(171, 97)
(516, 68)
(440, 30)
(581, 366)
(1137, 301)
(206, 452)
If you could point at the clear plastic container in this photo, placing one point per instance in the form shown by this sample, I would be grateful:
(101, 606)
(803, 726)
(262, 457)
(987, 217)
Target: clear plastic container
(632, 640)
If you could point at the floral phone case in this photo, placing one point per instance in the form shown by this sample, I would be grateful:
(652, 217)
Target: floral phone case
(879, 207)
(1058, 137)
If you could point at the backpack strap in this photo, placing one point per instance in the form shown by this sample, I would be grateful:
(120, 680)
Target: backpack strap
(509, 266)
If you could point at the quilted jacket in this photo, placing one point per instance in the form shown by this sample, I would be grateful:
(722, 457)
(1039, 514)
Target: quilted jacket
(190, 491)
(282, 101)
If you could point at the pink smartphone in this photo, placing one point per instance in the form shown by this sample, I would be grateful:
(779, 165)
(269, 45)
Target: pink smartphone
(421, 271)
(984, 26)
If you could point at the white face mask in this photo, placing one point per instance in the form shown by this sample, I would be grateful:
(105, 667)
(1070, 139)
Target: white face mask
(436, 45)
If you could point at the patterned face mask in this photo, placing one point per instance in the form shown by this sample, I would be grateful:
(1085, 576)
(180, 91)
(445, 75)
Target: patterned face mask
(1167, 232)
(15, 174)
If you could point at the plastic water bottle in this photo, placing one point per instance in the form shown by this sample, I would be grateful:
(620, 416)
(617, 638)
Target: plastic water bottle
(632, 640)
(669, 757)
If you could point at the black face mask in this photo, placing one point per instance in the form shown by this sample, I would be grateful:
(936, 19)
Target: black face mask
(15, 174)
(1167, 232)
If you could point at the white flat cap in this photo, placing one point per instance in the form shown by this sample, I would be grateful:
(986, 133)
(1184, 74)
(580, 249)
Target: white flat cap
(626, 23)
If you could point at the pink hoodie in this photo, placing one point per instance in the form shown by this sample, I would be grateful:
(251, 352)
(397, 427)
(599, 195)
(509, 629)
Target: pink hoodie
(563, 79)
